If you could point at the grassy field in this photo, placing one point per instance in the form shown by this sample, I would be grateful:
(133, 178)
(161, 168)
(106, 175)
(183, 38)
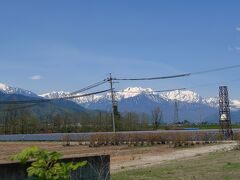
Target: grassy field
(219, 165)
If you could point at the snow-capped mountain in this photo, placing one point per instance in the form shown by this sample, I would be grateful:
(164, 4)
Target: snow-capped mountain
(182, 95)
(133, 91)
(127, 93)
(13, 90)
(190, 104)
(141, 100)
(235, 104)
(185, 96)
(8, 93)
(79, 100)
(213, 101)
(55, 94)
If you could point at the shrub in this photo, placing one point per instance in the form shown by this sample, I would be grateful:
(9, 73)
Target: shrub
(46, 165)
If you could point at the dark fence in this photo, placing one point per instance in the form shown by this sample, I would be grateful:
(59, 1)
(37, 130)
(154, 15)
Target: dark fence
(97, 168)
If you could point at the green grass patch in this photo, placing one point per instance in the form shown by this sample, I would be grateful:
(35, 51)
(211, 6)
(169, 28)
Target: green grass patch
(219, 165)
(232, 166)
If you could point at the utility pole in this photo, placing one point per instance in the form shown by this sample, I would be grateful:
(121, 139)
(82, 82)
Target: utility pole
(114, 104)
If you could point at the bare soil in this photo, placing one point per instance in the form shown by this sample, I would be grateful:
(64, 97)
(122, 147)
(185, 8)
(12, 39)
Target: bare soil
(117, 153)
(122, 157)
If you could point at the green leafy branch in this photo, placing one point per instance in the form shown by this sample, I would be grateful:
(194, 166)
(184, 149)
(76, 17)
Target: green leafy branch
(46, 165)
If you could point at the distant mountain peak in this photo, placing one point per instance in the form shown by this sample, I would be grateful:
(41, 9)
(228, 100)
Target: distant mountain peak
(136, 93)
(137, 90)
(6, 89)
(182, 95)
(3, 86)
(132, 92)
(235, 104)
(55, 94)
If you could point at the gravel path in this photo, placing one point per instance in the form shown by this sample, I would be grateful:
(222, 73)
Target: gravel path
(148, 160)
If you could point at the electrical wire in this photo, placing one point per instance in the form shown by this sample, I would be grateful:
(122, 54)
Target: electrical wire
(90, 87)
(189, 88)
(123, 79)
(212, 84)
(152, 78)
(54, 99)
(149, 92)
(179, 75)
(215, 69)
(169, 90)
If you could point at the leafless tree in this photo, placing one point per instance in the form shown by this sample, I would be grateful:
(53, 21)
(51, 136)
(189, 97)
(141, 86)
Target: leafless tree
(156, 116)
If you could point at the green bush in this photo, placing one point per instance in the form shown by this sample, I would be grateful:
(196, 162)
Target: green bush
(46, 165)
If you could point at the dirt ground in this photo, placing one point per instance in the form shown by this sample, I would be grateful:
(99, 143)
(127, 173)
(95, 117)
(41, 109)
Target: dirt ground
(117, 153)
(147, 160)
(122, 156)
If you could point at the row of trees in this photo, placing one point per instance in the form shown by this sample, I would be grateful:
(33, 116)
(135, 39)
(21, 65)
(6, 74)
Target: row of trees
(13, 122)
(24, 121)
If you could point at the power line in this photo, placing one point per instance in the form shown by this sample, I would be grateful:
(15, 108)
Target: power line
(152, 78)
(123, 79)
(179, 75)
(211, 84)
(215, 70)
(98, 92)
(90, 87)
(167, 90)
(54, 99)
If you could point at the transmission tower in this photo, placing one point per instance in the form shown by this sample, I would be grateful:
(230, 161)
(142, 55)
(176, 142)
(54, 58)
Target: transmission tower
(115, 112)
(175, 114)
(224, 113)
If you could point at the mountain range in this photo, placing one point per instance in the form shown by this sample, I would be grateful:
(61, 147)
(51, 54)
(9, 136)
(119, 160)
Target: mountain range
(191, 106)
(40, 110)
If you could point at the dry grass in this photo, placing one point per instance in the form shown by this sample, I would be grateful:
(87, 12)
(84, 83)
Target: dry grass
(153, 138)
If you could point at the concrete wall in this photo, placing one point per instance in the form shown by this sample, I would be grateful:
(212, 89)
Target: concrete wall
(98, 167)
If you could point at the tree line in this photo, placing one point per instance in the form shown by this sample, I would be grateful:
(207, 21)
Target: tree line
(26, 121)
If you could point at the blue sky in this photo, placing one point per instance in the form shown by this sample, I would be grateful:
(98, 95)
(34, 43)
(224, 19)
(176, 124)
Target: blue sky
(66, 45)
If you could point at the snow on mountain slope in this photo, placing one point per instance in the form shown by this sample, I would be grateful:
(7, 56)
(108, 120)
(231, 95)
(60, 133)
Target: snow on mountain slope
(133, 91)
(55, 94)
(182, 95)
(13, 90)
(213, 101)
(120, 95)
(79, 100)
(192, 106)
(136, 94)
(235, 104)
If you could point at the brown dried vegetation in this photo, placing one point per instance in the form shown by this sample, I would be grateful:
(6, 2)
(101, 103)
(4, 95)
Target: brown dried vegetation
(151, 138)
